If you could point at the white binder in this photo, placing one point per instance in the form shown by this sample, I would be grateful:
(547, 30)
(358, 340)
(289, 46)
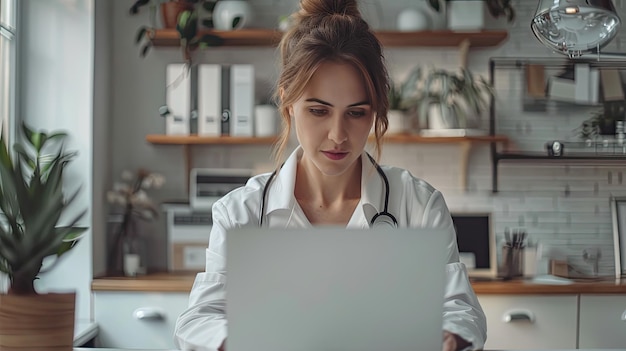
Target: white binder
(178, 99)
(209, 100)
(242, 100)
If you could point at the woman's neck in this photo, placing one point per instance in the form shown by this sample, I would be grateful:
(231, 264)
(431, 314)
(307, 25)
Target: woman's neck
(327, 199)
(318, 189)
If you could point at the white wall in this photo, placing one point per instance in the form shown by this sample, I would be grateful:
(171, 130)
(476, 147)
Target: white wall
(56, 92)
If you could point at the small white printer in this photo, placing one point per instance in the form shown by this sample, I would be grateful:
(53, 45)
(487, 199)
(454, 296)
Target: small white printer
(207, 185)
(189, 224)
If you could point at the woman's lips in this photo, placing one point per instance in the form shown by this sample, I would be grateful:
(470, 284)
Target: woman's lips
(335, 155)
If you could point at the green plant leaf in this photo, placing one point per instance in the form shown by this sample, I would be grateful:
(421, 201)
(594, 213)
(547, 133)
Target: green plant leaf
(236, 21)
(141, 32)
(209, 5)
(145, 49)
(31, 205)
(187, 24)
(210, 40)
(435, 4)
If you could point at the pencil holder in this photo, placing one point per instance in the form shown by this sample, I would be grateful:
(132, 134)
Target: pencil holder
(512, 262)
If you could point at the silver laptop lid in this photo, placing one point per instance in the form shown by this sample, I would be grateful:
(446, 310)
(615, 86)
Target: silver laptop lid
(335, 289)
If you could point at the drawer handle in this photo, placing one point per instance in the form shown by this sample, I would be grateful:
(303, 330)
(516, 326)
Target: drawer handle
(624, 315)
(148, 313)
(518, 316)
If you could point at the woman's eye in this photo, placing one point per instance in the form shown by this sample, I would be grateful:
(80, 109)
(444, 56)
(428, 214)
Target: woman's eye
(357, 113)
(317, 111)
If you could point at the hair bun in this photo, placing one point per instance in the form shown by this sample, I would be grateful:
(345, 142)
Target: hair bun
(314, 8)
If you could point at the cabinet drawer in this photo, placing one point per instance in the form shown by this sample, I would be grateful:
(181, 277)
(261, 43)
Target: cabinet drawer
(137, 319)
(530, 322)
(602, 323)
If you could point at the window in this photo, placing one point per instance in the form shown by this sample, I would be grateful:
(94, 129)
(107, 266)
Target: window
(7, 66)
(7, 83)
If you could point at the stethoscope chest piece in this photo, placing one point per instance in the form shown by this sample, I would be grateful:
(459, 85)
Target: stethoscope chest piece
(383, 219)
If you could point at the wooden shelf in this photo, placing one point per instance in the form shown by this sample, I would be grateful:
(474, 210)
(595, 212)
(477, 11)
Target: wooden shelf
(415, 138)
(465, 143)
(203, 140)
(187, 141)
(269, 37)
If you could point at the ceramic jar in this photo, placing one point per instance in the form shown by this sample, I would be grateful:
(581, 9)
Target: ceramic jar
(231, 14)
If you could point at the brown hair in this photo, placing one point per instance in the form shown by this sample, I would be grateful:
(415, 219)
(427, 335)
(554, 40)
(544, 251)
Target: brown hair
(330, 30)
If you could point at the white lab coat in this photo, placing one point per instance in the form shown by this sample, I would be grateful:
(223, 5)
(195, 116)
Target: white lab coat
(412, 201)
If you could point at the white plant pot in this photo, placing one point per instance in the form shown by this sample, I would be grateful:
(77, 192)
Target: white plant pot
(265, 120)
(413, 20)
(397, 122)
(466, 15)
(442, 117)
(226, 11)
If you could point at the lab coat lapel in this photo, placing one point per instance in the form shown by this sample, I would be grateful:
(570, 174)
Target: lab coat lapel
(280, 198)
(372, 189)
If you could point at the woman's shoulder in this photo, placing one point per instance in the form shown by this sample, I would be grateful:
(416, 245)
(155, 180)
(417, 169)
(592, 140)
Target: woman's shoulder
(248, 194)
(403, 176)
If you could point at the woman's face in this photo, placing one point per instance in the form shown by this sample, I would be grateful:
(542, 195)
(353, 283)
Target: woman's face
(333, 118)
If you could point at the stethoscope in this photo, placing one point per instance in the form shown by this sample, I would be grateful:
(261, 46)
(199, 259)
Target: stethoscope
(383, 218)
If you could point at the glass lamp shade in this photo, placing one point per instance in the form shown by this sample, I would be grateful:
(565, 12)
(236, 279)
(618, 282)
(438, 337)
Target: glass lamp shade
(575, 27)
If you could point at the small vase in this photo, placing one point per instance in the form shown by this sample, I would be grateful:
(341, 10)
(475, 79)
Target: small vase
(231, 14)
(133, 255)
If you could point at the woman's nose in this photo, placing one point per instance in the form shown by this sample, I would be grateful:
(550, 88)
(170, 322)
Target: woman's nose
(338, 130)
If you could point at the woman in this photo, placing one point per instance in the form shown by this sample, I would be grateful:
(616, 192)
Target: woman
(333, 90)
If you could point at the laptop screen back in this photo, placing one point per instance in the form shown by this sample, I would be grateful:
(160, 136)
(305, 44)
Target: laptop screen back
(335, 289)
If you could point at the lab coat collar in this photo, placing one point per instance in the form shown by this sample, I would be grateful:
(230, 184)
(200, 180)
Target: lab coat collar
(281, 192)
(280, 195)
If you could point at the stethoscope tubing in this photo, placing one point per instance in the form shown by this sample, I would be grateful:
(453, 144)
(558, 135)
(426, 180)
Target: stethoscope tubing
(383, 217)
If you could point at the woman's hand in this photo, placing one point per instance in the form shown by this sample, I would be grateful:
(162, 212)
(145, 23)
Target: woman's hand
(453, 342)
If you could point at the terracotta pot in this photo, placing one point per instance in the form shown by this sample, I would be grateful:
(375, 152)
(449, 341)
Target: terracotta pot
(171, 10)
(37, 322)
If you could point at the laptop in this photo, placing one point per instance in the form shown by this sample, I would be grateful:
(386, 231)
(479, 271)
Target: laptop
(335, 289)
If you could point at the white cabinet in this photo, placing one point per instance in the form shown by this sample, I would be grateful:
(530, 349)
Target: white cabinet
(137, 319)
(530, 322)
(602, 321)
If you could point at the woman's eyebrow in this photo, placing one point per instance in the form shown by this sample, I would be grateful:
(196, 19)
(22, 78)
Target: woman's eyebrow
(331, 105)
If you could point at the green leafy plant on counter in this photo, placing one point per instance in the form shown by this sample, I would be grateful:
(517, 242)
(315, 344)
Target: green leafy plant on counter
(31, 205)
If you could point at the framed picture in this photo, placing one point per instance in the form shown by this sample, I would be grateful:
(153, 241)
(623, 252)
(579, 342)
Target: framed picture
(476, 242)
(618, 212)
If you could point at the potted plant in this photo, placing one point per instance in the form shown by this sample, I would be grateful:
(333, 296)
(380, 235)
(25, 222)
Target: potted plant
(32, 203)
(187, 28)
(402, 96)
(453, 100)
(602, 121)
(183, 16)
(130, 199)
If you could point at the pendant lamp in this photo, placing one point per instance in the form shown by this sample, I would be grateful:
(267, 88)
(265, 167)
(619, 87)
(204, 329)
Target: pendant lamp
(575, 27)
